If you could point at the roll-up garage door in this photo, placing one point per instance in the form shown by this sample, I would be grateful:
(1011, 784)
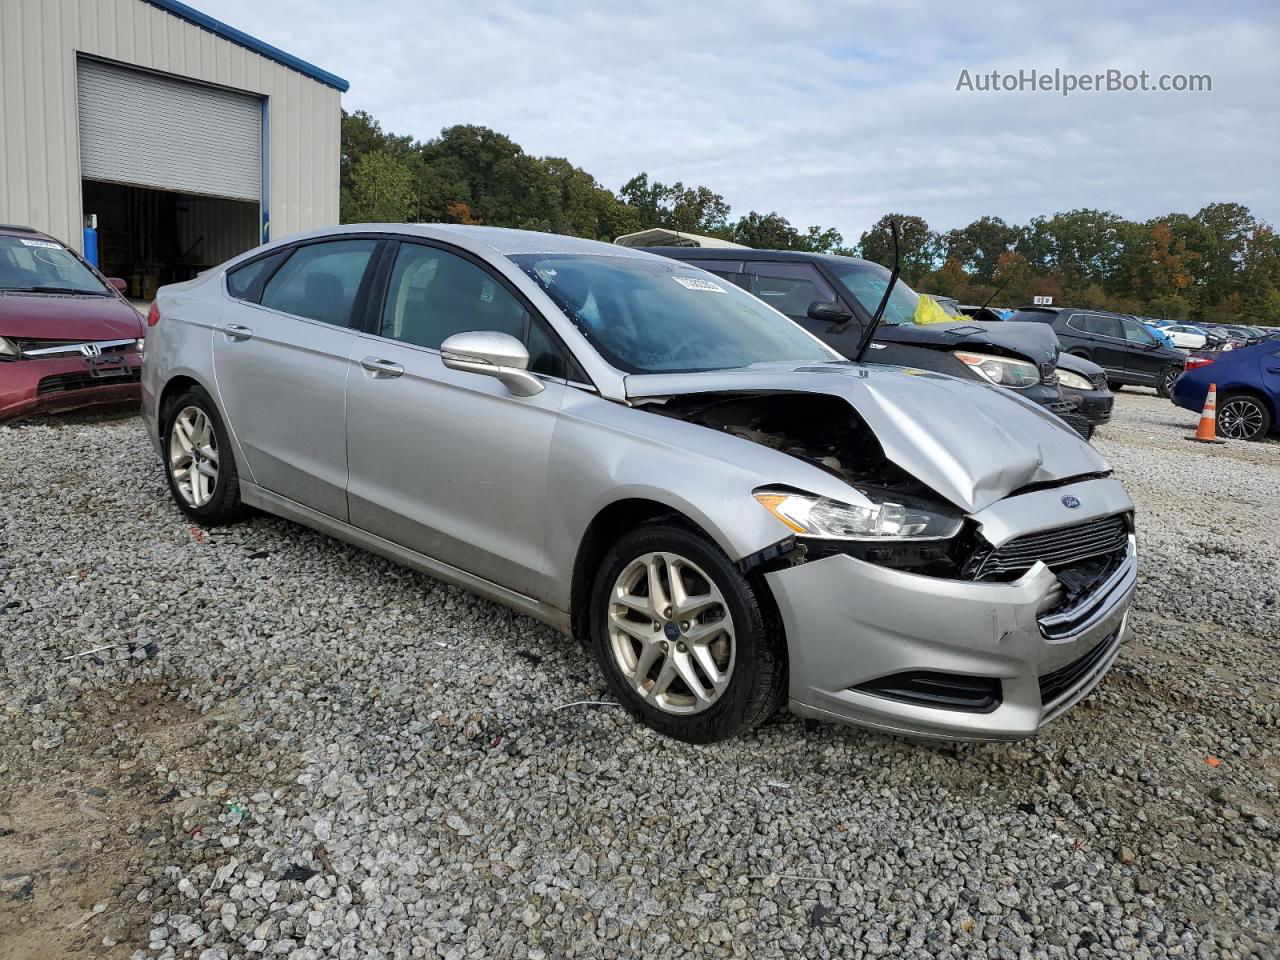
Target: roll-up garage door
(154, 131)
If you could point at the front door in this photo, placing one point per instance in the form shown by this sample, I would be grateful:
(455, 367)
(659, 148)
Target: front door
(447, 463)
(281, 368)
(1144, 360)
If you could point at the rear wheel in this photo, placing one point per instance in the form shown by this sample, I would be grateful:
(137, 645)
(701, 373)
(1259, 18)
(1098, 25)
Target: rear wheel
(1167, 379)
(198, 461)
(683, 638)
(1242, 416)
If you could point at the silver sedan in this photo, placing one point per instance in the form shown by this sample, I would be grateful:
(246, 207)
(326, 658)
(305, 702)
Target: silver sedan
(644, 456)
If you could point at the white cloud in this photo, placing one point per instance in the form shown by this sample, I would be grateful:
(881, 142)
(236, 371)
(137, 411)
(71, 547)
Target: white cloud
(830, 113)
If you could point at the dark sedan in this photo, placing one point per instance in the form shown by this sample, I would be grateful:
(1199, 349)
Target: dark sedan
(1118, 343)
(67, 336)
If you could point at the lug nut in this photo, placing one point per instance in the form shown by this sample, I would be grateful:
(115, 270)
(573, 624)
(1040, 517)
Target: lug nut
(656, 626)
(682, 648)
(684, 626)
(667, 613)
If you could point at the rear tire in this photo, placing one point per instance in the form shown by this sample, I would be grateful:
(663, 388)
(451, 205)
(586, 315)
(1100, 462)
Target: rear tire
(1164, 386)
(198, 461)
(1242, 416)
(727, 644)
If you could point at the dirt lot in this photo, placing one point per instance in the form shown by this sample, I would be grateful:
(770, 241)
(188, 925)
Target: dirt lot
(294, 749)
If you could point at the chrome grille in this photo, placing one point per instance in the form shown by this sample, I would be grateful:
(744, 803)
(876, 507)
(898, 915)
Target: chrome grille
(1059, 547)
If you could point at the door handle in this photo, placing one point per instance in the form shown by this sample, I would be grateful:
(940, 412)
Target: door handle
(237, 333)
(381, 369)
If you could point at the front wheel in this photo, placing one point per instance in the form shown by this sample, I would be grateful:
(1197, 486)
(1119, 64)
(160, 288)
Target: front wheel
(198, 461)
(683, 638)
(1242, 416)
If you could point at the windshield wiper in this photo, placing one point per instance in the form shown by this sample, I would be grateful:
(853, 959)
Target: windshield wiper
(53, 288)
(884, 301)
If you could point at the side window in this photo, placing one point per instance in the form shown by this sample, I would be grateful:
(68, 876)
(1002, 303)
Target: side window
(547, 357)
(320, 280)
(434, 294)
(245, 282)
(788, 287)
(1095, 324)
(1135, 333)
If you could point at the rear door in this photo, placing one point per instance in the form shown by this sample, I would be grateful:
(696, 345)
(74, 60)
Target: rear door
(281, 353)
(447, 463)
(1104, 339)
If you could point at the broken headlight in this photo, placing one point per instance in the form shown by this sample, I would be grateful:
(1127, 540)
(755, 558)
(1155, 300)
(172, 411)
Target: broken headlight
(1073, 380)
(8, 348)
(889, 516)
(1002, 371)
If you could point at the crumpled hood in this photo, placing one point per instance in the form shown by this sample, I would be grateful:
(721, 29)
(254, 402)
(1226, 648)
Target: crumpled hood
(973, 444)
(1035, 341)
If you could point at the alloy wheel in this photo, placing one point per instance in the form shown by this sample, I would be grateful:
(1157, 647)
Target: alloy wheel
(193, 456)
(670, 633)
(1170, 378)
(1240, 419)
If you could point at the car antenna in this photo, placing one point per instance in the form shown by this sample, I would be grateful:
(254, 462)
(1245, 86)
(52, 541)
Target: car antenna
(992, 297)
(884, 300)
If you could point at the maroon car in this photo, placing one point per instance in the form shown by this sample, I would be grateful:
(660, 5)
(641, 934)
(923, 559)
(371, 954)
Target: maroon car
(68, 338)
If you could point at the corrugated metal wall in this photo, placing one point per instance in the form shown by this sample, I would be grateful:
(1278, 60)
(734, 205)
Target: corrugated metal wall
(39, 140)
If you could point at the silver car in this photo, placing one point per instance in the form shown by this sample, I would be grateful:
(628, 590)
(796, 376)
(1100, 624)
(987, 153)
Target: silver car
(651, 460)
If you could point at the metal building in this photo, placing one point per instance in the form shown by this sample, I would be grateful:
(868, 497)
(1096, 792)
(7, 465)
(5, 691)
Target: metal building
(187, 140)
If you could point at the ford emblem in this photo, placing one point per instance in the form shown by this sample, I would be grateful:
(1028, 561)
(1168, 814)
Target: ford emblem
(1070, 502)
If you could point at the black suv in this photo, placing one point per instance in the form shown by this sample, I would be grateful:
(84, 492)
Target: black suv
(1121, 345)
(834, 297)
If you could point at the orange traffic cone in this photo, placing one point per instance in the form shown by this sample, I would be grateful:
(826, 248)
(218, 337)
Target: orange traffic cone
(1207, 431)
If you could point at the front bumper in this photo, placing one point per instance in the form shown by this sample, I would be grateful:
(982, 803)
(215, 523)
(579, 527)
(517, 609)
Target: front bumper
(849, 622)
(66, 383)
(1093, 405)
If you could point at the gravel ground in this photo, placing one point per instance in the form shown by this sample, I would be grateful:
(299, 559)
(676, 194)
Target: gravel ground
(298, 750)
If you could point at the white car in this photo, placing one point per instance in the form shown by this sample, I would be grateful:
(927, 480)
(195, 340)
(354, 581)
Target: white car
(1184, 337)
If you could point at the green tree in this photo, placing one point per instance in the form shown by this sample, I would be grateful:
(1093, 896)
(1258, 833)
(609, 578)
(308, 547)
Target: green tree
(382, 190)
(917, 244)
(677, 207)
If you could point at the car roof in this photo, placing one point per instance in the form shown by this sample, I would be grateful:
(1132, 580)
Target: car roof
(751, 253)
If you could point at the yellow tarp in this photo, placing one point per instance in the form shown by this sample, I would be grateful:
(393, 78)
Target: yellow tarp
(928, 311)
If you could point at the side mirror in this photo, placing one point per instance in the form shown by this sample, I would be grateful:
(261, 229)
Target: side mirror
(492, 354)
(828, 311)
(119, 284)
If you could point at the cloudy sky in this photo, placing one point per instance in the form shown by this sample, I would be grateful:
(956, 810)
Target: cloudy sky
(829, 113)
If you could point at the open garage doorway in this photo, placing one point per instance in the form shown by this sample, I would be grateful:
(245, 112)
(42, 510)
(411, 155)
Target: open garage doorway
(172, 170)
(153, 237)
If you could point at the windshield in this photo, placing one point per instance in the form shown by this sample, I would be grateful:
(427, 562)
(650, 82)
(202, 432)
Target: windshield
(36, 265)
(661, 316)
(866, 281)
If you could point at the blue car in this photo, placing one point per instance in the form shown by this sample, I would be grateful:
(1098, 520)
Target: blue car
(1248, 382)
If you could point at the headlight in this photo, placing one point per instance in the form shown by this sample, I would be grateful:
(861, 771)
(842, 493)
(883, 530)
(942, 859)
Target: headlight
(1003, 372)
(891, 516)
(1073, 380)
(8, 348)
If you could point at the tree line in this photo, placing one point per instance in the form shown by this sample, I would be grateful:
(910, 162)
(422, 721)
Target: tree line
(1219, 264)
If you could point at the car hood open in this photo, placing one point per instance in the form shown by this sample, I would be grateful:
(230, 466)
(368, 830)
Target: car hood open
(971, 443)
(1035, 341)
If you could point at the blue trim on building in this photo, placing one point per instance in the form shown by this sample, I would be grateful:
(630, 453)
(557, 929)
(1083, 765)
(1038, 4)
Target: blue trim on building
(206, 22)
(264, 202)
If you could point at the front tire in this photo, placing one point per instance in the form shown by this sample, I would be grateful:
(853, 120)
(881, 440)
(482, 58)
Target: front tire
(683, 638)
(198, 462)
(1242, 416)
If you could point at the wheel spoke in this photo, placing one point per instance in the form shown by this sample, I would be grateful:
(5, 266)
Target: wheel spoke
(684, 667)
(663, 681)
(640, 605)
(709, 666)
(702, 632)
(641, 632)
(657, 593)
(694, 605)
(649, 654)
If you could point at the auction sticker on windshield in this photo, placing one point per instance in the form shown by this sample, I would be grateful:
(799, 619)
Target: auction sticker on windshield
(46, 244)
(697, 283)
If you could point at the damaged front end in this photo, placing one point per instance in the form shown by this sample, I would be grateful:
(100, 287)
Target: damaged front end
(899, 521)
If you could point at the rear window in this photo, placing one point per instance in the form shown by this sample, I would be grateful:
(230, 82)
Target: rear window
(1033, 316)
(245, 282)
